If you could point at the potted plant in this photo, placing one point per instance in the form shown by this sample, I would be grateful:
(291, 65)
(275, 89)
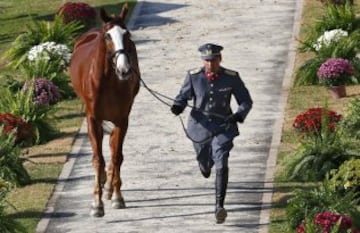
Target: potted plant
(335, 73)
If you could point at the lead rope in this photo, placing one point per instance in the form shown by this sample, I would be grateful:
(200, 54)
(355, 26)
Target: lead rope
(157, 94)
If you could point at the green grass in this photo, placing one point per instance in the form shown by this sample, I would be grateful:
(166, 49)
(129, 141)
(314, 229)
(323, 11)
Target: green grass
(45, 161)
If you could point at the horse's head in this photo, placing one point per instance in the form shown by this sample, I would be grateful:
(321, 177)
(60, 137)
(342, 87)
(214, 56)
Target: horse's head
(117, 41)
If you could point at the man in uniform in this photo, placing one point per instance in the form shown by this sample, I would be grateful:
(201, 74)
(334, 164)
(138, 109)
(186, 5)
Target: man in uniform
(212, 124)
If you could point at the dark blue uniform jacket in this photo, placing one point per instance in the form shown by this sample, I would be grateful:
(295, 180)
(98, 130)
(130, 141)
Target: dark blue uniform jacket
(211, 101)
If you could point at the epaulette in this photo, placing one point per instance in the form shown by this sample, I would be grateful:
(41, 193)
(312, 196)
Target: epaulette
(230, 72)
(195, 71)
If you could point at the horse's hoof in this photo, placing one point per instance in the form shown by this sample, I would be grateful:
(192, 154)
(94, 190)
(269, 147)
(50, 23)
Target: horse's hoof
(118, 204)
(97, 212)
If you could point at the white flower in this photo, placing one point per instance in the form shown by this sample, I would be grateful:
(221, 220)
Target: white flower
(49, 50)
(330, 36)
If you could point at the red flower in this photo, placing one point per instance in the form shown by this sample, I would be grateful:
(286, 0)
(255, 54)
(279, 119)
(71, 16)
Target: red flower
(327, 220)
(78, 11)
(310, 121)
(23, 130)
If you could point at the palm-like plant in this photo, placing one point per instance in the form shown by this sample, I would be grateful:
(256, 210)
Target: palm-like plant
(346, 47)
(39, 32)
(323, 198)
(318, 153)
(11, 165)
(39, 116)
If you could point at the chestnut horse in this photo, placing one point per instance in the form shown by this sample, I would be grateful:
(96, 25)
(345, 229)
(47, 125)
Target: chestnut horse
(105, 74)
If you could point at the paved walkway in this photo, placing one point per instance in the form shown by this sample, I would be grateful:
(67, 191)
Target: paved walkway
(163, 188)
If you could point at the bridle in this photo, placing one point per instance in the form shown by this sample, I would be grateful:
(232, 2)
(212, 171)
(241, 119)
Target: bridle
(113, 55)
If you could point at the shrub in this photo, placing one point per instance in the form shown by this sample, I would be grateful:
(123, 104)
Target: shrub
(44, 91)
(78, 11)
(327, 222)
(11, 165)
(310, 122)
(39, 116)
(335, 19)
(39, 32)
(347, 177)
(335, 72)
(23, 131)
(306, 204)
(351, 122)
(322, 148)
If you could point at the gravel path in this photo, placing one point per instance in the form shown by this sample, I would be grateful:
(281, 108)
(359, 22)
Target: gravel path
(163, 188)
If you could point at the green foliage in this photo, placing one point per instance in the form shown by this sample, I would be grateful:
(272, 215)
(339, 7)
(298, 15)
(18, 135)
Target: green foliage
(351, 123)
(345, 48)
(347, 177)
(39, 116)
(51, 71)
(42, 31)
(317, 154)
(11, 165)
(305, 204)
(338, 16)
(335, 17)
(7, 223)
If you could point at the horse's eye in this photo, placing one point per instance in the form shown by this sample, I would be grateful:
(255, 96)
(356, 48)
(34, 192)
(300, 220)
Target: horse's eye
(107, 36)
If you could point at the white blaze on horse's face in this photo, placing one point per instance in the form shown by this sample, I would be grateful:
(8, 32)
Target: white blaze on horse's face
(120, 58)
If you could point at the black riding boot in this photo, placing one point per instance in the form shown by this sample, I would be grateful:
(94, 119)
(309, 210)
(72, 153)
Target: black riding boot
(221, 182)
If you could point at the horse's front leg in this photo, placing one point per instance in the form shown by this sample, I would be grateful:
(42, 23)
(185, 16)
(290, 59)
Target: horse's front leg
(95, 133)
(113, 183)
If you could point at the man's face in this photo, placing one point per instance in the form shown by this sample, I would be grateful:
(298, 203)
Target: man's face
(212, 66)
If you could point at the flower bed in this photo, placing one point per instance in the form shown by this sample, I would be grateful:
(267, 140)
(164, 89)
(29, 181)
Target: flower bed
(23, 130)
(79, 11)
(335, 71)
(327, 221)
(45, 92)
(310, 122)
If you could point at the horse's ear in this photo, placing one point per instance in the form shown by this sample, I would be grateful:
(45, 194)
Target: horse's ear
(104, 16)
(124, 10)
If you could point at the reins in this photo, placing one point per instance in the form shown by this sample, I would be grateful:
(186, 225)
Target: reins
(157, 95)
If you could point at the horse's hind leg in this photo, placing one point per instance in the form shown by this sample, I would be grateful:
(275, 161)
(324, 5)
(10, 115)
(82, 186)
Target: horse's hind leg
(95, 133)
(114, 181)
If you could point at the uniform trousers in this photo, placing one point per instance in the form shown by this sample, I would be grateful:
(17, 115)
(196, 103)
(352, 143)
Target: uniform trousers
(213, 152)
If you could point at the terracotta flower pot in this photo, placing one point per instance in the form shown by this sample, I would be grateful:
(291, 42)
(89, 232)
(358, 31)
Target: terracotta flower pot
(338, 91)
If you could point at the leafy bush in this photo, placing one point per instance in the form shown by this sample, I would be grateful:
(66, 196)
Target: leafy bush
(310, 122)
(11, 165)
(39, 116)
(305, 205)
(338, 18)
(322, 149)
(345, 48)
(347, 177)
(78, 11)
(351, 122)
(335, 72)
(44, 91)
(7, 224)
(39, 32)
(327, 222)
(22, 130)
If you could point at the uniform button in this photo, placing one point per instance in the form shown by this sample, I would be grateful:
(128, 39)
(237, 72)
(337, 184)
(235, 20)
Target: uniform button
(210, 106)
(211, 84)
(211, 92)
(210, 120)
(211, 99)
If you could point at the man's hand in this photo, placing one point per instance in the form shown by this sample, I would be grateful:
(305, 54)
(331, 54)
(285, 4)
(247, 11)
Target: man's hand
(176, 109)
(234, 118)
